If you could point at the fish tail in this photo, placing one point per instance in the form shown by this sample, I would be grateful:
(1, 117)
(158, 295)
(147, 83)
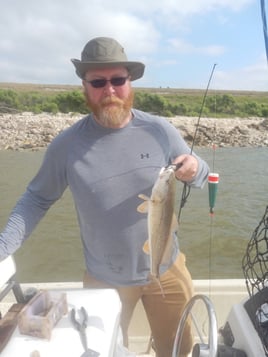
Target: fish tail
(161, 288)
(157, 279)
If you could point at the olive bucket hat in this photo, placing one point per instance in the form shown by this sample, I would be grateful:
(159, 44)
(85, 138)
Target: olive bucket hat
(103, 52)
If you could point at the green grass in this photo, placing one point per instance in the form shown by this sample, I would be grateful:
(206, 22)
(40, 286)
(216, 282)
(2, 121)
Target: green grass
(162, 101)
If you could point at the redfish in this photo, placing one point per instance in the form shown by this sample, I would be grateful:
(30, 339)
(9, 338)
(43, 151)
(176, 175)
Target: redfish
(162, 222)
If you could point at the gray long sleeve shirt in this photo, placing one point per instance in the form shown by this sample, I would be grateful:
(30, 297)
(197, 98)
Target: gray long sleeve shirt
(106, 170)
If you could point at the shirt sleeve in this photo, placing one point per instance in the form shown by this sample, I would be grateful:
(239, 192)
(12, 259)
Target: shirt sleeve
(177, 147)
(45, 188)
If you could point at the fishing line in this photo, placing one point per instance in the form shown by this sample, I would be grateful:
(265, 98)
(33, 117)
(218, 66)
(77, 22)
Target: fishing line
(186, 189)
(213, 177)
(213, 180)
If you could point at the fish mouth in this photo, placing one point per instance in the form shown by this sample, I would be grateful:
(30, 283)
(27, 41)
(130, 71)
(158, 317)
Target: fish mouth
(173, 167)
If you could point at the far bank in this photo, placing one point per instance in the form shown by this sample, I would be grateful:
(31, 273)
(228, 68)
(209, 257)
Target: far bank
(28, 131)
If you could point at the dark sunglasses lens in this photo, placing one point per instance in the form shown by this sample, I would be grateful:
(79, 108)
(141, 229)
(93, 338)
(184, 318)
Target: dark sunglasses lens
(118, 81)
(98, 83)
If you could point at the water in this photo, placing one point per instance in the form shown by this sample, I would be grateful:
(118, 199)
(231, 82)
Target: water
(214, 246)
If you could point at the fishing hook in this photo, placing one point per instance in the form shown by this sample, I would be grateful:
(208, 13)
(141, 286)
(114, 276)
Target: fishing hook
(186, 188)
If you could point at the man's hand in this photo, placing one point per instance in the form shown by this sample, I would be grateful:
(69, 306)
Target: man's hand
(188, 169)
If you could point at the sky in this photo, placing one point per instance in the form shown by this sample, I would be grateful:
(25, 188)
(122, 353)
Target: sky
(178, 41)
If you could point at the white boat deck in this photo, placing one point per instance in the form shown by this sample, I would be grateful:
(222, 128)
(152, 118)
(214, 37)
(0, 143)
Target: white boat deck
(223, 293)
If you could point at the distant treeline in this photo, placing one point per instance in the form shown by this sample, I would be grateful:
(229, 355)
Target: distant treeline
(166, 103)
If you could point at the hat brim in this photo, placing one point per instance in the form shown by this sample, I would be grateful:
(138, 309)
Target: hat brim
(135, 69)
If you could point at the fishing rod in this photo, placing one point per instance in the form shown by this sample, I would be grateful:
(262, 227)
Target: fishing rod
(186, 189)
(264, 23)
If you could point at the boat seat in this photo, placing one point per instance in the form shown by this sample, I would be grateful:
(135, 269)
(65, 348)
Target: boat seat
(7, 280)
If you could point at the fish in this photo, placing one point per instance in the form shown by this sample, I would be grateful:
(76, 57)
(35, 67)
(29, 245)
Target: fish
(161, 220)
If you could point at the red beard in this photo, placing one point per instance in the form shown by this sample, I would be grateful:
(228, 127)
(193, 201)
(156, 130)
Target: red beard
(112, 111)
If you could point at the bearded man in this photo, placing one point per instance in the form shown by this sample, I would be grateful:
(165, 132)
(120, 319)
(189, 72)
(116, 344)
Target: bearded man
(107, 159)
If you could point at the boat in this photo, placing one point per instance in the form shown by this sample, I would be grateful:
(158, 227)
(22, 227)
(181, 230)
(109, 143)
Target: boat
(218, 305)
(229, 316)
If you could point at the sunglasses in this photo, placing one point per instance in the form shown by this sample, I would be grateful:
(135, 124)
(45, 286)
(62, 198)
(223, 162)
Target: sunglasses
(115, 81)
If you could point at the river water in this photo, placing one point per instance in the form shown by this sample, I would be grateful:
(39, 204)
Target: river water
(214, 246)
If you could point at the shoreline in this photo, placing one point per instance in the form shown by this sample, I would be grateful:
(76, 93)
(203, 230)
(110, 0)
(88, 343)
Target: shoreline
(28, 131)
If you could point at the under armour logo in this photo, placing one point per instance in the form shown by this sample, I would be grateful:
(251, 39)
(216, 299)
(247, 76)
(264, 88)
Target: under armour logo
(143, 156)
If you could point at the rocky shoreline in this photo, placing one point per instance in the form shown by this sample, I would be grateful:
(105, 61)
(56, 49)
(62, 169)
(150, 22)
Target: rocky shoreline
(27, 131)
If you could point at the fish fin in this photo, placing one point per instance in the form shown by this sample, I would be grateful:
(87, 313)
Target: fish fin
(143, 207)
(146, 247)
(144, 197)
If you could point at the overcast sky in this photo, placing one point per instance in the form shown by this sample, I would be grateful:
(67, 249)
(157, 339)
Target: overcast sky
(179, 41)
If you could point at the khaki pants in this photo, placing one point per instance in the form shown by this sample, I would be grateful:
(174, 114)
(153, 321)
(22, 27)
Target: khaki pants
(163, 312)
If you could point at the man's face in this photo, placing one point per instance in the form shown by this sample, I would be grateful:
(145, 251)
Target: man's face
(109, 95)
